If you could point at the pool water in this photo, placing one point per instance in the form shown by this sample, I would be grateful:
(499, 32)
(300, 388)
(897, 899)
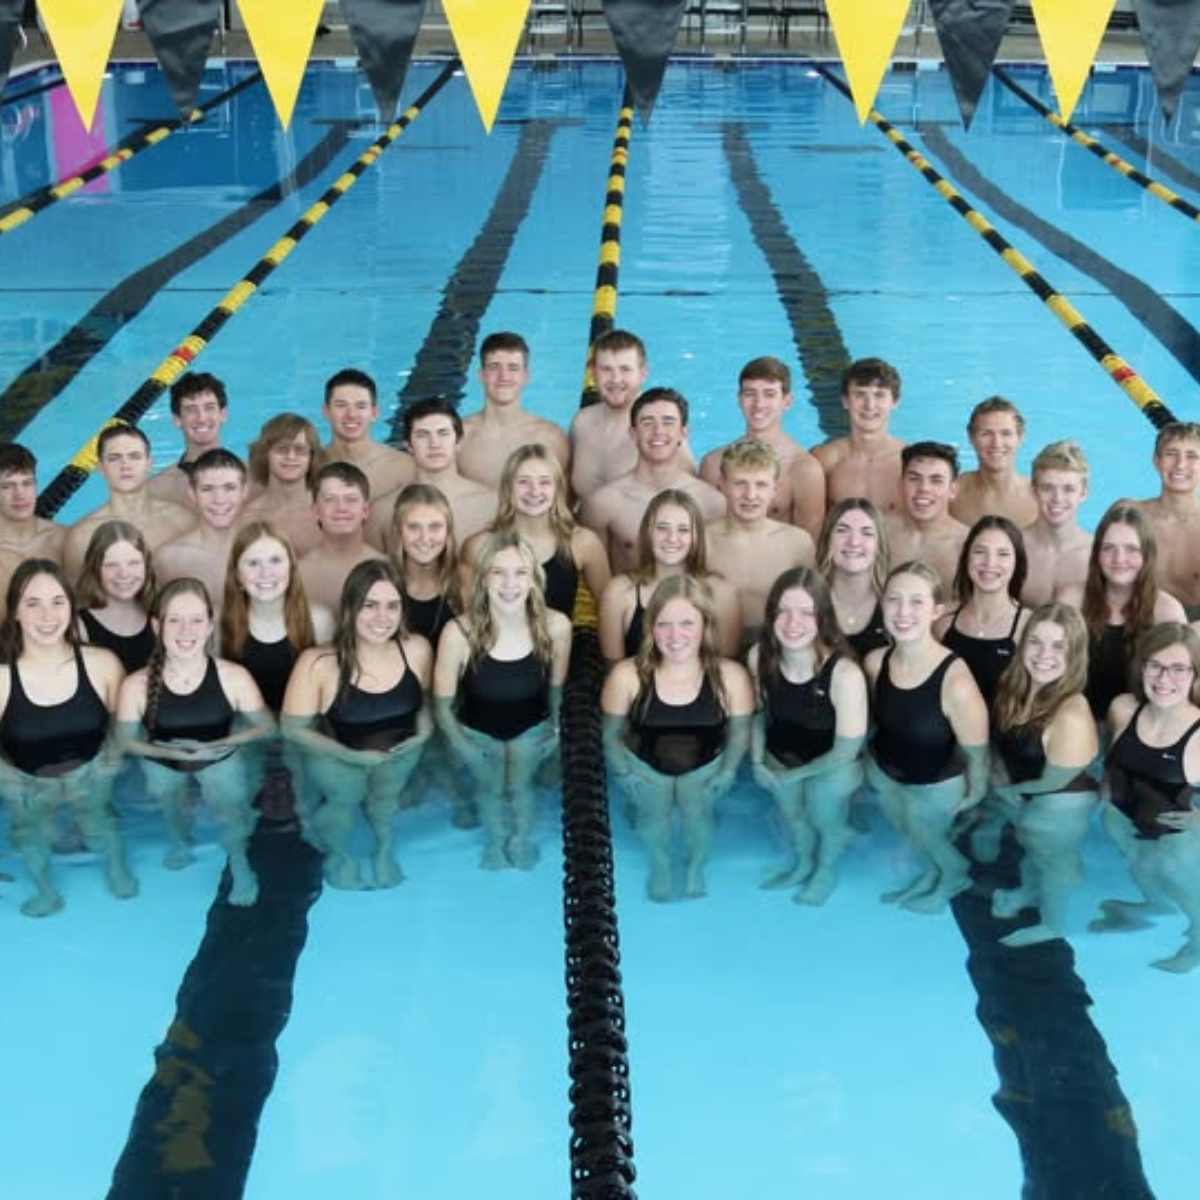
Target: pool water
(412, 1041)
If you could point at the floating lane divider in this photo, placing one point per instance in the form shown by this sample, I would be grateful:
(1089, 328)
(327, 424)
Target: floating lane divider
(75, 473)
(41, 200)
(1097, 147)
(604, 303)
(1125, 377)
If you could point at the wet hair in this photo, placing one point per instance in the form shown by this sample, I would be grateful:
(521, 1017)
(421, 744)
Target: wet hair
(767, 369)
(359, 582)
(343, 472)
(867, 371)
(410, 497)
(1174, 431)
(349, 377)
(158, 656)
(1139, 612)
(12, 641)
(941, 451)
(120, 429)
(481, 635)
(881, 565)
(235, 608)
(616, 340)
(964, 586)
(1020, 703)
(1064, 455)
(15, 459)
(1159, 637)
(503, 340)
(829, 635)
(696, 563)
(216, 459)
(283, 427)
(993, 405)
(89, 591)
(562, 523)
(696, 592)
(748, 454)
(659, 395)
(431, 406)
(193, 383)
(922, 570)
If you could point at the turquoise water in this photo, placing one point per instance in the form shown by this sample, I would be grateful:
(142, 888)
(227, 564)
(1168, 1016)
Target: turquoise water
(773, 1050)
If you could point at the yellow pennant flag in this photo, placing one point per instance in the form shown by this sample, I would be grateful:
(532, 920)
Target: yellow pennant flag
(866, 33)
(82, 33)
(282, 33)
(486, 33)
(1071, 31)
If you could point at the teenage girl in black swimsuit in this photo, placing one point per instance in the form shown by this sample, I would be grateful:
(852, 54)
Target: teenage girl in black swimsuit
(497, 692)
(56, 702)
(178, 715)
(929, 751)
(114, 592)
(852, 554)
(670, 542)
(425, 555)
(1152, 773)
(677, 724)
(357, 709)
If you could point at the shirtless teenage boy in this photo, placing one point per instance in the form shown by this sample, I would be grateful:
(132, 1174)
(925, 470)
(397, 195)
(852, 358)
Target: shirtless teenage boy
(1057, 548)
(599, 435)
(284, 460)
(747, 546)
(1175, 512)
(867, 461)
(123, 453)
(199, 407)
(491, 435)
(924, 529)
(351, 407)
(996, 430)
(658, 428)
(764, 395)
(23, 534)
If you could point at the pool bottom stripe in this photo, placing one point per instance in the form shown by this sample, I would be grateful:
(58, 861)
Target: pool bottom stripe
(177, 361)
(1140, 392)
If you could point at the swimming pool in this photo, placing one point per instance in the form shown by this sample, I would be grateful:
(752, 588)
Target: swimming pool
(844, 1052)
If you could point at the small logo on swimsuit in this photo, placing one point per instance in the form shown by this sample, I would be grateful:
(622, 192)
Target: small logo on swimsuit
(1169, 757)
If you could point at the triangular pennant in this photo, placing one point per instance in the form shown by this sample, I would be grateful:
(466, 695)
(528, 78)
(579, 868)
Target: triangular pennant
(181, 32)
(384, 32)
(866, 33)
(486, 33)
(1171, 35)
(645, 33)
(82, 33)
(1071, 31)
(10, 24)
(970, 33)
(282, 34)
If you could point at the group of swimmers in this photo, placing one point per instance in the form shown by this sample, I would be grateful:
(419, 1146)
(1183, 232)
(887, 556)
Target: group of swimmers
(404, 619)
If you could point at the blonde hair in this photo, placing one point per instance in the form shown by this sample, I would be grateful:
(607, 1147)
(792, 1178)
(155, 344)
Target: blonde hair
(1065, 455)
(562, 523)
(481, 635)
(409, 498)
(749, 454)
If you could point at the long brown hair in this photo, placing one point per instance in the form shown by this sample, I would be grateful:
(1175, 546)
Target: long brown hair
(235, 610)
(829, 636)
(1139, 612)
(964, 586)
(881, 565)
(482, 633)
(433, 497)
(696, 563)
(12, 642)
(359, 582)
(1020, 703)
(89, 591)
(158, 611)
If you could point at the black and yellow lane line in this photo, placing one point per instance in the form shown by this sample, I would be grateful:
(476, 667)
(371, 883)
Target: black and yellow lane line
(1109, 157)
(72, 476)
(1120, 371)
(25, 209)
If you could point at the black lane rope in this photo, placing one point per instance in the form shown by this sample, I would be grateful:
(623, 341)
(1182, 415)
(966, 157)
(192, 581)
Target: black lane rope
(1126, 378)
(73, 476)
(604, 301)
(443, 362)
(29, 206)
(52, 371)
(820, 347)
(1107, 156)
(601, 1118)
(29, 93)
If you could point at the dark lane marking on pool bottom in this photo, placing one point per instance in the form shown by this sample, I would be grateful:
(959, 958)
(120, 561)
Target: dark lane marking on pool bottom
(1164, 322)
(1163, 162)
(444, 360)
(1059, 1090)
(49, 374)
(805, 299)
(196, 1123)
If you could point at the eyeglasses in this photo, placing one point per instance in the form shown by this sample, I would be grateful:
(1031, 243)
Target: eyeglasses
(1156, 670)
